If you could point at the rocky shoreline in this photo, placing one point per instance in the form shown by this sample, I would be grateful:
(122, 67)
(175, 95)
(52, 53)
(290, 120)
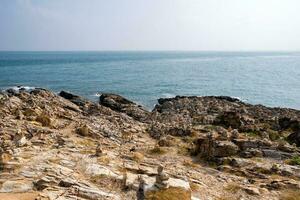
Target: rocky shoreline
(63, 146)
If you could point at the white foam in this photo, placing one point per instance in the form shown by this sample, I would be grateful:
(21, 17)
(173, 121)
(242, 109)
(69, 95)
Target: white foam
(21, 87)
(168, 95)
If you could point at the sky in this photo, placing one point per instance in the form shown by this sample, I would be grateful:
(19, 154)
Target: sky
(192, 25)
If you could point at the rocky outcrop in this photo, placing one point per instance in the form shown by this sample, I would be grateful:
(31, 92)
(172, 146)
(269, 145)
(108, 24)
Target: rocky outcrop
(79, 101)
(120, 104)
(67, 147)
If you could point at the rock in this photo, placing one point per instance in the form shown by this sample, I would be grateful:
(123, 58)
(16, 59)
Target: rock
(288, 123)
(95, 170)
(67, 182)
(99, 151)
(209, 148)
(21, 142)
(249, 153)
(223, 134)
(171, 193)
(79, 101)
(84, 130)
(294, 138)
(224, 149)
(162, 178)
(252, 190)
(229, 119)
(44, 120)
(16, 186)
(179, 132)
(43, 183)
(285, 147)
(120, 104)
(94, 193)
(235, 134)
(167, 141)
(251, 143)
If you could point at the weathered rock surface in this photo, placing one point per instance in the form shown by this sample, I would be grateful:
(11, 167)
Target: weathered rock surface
(67, 147)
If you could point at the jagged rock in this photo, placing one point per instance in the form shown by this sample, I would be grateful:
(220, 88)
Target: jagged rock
(209, 148)
(120, 104)
(229, 119)
(288, 123)
(79, 101)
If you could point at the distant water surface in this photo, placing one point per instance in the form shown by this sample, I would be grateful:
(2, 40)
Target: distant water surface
(269, 78)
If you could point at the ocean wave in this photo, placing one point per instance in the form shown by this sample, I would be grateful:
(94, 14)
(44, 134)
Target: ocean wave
(98, 94)
(20, 88)
(168, 95)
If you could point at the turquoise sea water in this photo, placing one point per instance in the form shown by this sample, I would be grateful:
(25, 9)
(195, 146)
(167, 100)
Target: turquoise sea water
(269, 78)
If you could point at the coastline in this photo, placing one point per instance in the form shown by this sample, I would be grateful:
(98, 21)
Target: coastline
(64, 144)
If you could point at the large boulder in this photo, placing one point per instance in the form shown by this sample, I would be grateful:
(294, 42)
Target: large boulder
(121, 104)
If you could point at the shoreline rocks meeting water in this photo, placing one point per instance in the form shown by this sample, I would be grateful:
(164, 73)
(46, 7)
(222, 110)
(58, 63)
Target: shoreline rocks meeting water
(63, 146)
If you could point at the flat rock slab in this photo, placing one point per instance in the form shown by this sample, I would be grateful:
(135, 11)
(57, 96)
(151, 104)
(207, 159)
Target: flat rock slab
(16, 186)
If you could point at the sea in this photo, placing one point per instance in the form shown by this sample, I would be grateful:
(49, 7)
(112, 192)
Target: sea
(268, 78)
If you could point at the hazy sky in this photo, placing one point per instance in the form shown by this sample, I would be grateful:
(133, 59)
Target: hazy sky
(150, 25)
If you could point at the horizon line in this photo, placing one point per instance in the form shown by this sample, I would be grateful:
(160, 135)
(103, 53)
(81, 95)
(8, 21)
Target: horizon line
(149, 50)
